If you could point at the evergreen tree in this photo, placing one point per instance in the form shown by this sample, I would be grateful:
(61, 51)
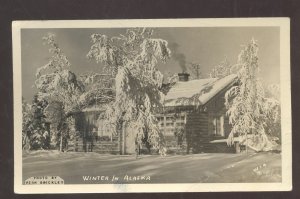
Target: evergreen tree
(35, 132)
(27, 117)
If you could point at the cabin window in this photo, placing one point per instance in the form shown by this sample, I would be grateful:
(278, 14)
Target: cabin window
(160, 119)
(168, 123)
(218, 125)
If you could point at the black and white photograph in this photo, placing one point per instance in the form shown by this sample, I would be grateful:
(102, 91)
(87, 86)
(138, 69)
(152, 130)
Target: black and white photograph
(152, 105)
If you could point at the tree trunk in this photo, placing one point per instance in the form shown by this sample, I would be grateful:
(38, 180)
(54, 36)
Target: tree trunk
(60, 144)
(119, 140)
(237, 147)
(123, 139)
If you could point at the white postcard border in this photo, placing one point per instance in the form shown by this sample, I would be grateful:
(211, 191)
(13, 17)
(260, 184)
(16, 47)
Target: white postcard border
(285, 84)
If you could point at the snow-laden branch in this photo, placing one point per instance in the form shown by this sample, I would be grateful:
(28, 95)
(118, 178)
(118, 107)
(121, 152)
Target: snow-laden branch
(132, 59)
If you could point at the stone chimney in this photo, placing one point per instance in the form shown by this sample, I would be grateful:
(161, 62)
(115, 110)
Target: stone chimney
(183, 77)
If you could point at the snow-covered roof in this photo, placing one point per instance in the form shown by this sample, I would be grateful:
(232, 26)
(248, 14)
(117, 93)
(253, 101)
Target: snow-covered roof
(201, 91)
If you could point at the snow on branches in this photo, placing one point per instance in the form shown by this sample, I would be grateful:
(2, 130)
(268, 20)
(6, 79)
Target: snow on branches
(55, 81)
(26, 124)
(246, 103)
(132, 59)
(58, 85)
(35, 134)
(58, 60)
(221, 70)
(273, 111)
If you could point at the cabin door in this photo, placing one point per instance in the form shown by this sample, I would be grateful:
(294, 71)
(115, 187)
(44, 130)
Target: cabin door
(218, 125)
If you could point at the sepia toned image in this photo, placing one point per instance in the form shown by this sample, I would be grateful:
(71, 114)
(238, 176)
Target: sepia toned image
(152, 105)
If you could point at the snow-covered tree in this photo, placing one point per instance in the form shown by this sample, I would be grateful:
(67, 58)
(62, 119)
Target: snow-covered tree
(273, 122)
(132, 59)
(58, 85)
(195, 70)
(40, 134)
(221, 70)
(35, 134)
(273, 110)
(246, 101)
(273, 91)
(27, 117)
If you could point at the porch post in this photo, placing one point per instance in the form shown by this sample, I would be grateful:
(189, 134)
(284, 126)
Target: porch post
(237, 147)
(123, 137)
(119, 139)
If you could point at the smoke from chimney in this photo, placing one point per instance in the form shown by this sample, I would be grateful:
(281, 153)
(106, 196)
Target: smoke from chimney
(179, 57)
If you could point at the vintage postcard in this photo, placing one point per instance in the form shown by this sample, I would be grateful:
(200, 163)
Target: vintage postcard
(164, 105)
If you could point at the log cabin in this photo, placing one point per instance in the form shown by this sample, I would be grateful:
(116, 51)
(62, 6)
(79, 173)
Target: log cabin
(193, 120)
(197, 108)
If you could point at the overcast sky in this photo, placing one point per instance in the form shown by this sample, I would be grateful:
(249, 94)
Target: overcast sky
(206, 46)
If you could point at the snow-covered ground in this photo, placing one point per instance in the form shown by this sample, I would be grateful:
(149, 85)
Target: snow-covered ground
(218, 168)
